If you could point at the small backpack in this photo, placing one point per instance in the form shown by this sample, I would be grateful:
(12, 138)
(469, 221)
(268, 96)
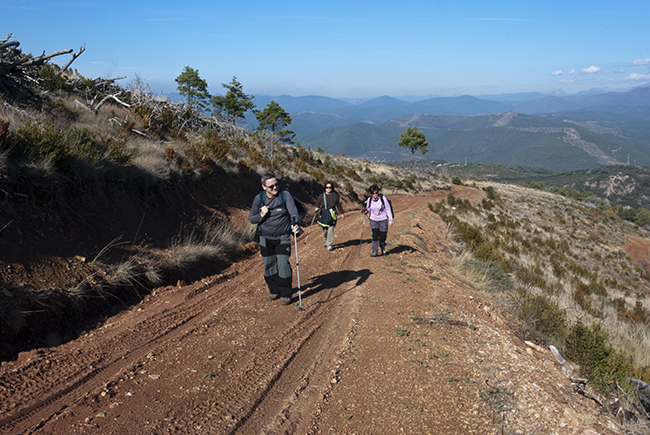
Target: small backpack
(383, 204)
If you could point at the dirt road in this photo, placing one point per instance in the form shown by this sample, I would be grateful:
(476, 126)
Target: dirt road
(384, 345)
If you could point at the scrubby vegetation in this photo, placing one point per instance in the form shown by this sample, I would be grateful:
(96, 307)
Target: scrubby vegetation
(556, 262)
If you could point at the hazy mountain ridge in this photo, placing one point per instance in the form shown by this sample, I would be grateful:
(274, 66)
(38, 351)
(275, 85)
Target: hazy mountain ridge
(384, 108)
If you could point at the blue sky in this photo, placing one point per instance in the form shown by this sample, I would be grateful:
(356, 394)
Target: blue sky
(353, 49)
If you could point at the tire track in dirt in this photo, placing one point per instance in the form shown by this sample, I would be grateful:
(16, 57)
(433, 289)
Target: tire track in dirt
(44, 387)
(280, 385)
(291, 399)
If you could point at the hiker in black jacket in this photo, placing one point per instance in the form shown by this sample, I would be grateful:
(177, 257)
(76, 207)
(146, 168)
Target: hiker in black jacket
(330, 202)
(275, 213)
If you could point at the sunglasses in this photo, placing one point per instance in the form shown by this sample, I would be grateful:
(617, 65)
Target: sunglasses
(375, 193)
(272, 186)
(328, 187)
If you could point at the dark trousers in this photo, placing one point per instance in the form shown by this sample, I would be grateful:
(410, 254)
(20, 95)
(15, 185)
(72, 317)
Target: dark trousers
(379, 232)
(277, 270)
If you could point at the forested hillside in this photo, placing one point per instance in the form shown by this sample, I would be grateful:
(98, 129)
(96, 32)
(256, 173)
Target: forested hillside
(508, 138)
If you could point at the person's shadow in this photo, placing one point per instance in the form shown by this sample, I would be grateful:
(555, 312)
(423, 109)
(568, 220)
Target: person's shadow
(401, 248)
(335, 279)
(394, 250)
(353, 242)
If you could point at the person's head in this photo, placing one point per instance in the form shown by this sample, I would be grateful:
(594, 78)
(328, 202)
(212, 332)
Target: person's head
(270, 184)
(374, 190)
(328, 187)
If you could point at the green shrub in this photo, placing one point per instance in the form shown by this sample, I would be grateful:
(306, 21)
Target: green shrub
(539, 185)
(47, 142)
(435, 207)
(532, 277)
(256, 157)
(89, 89)
(200, 158)
(489, 190)
(219, 148)
(599, 362)
(352, 174)
(142, 114)
(54, 80)
(457, 181)
(306, 156)
(300, 165)
(318, 175)
(164, 121)
(487, 204)
(542, 317)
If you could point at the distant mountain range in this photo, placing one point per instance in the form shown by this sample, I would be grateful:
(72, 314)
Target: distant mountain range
(555, 132)
(552, 132)
(385, 108)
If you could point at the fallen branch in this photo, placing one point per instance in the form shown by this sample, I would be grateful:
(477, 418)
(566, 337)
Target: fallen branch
(40, 60)
(580, 389)
(110, 97)
(74, 56)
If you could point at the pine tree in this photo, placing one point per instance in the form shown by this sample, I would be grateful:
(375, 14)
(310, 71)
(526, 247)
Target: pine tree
(413, 140)
(234, 104)
(193, 87)
(274, 119)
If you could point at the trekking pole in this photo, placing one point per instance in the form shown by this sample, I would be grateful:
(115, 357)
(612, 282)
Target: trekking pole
(295, 239)
(312, 223)
(361, 240)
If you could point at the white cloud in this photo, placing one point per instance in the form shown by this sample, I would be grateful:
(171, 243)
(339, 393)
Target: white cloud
(571, 71)
(635, 76)
(565, 81)
(557, 73)
(641, 62)
(591, 69)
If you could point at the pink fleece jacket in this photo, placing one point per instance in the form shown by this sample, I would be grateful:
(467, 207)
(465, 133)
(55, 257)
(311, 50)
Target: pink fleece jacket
(377, 212)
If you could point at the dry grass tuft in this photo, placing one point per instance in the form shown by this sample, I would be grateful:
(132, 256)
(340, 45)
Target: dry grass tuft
(206, 240)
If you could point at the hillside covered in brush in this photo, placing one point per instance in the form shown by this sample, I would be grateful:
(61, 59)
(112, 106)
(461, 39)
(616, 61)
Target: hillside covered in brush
(612, 186)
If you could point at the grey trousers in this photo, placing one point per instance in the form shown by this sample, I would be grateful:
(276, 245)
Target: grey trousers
(379, 232)
(328, 235)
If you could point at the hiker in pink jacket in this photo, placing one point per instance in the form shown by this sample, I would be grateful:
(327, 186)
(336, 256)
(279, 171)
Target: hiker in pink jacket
(380, 214)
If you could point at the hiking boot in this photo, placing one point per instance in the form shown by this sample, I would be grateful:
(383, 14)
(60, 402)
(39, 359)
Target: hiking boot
(329, 248)
(383, 251)
(374, 254)
(285, 301)
(272, 297)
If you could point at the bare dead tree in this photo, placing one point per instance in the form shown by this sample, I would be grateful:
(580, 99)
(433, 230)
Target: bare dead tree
(74, 56)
